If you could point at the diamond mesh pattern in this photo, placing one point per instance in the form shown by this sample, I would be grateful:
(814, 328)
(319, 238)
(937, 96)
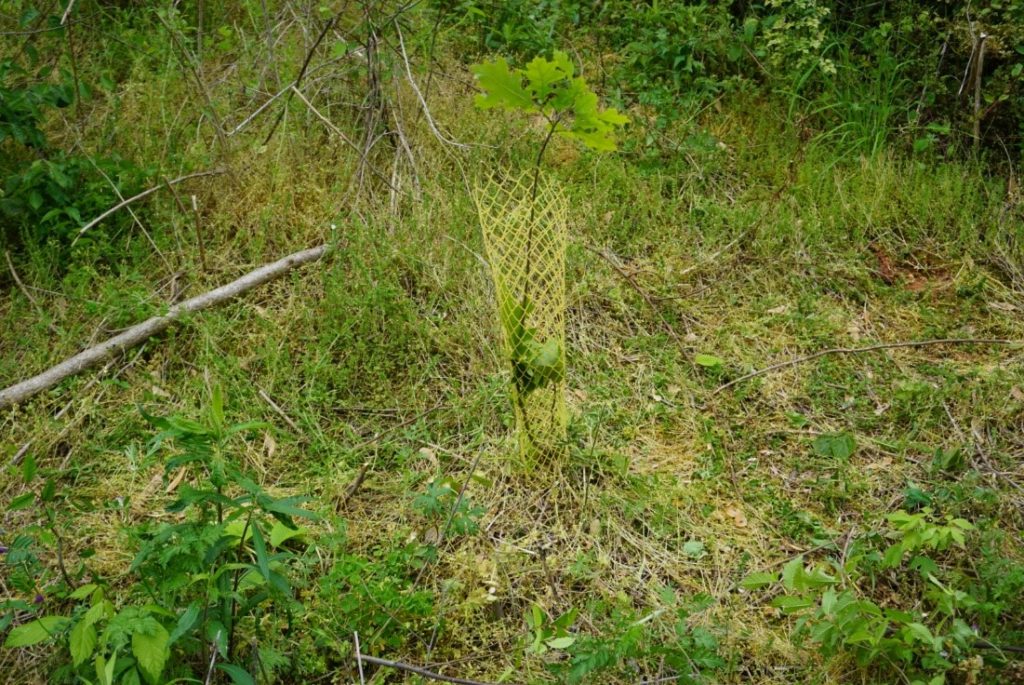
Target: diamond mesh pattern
(525, 239)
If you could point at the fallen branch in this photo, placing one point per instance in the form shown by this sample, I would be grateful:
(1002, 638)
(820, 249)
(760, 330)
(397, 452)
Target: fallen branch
(869, 348)
(418, 670)
(144, 193)
(137, 334)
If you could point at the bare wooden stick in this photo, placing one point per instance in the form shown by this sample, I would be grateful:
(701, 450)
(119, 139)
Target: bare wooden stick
(67, 12)
(27, 294)
(419, 95)
(418, 670)
(977, 89)
(359, 659)
(280, 412)
(140, 332)
(302, 72)
(144, 193)
(869, 348)
(199, 233)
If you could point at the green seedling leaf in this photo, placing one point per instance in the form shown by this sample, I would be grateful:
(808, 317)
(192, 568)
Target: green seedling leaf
(542, 74)
(261, 550)
(708, 361)
(286, 507)
(561, 642)
(281, 533)
(791, 605)
(238, 675)
(28, 469)
(791, 572)
(185, 623)
(759, 580)
(694, 549)
(83, 591)
(503, 87)
(835, 445)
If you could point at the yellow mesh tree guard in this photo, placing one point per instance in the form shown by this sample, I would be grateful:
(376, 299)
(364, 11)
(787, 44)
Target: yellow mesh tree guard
(525, 238)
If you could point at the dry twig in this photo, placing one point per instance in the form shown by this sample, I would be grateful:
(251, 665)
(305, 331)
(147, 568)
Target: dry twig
(636, 286)
(144, 193)
(27, 294)
(418, 670)
(869, 348)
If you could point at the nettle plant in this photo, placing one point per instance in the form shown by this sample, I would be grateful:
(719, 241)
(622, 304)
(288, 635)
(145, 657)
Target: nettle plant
(838, 611)
(215, 584)
(524, 227)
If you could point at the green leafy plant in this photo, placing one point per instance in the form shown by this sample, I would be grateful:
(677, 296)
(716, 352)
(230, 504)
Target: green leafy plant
(376, 596)
(547, 633)
(45, 193)
(918, 531)
(631, 643)
(840, 446)
(527, 248)
(224, 570)
(446, 510)
(837, 612)
(550, 88)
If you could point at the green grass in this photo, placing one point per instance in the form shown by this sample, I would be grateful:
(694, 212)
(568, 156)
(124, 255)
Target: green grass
(757, 250)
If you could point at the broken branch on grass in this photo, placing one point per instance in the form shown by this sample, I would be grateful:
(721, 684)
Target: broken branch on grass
(418, 670)
(144, 193)
(636, 286)
(869, 348)
(280, 412)
(141, 332)
(423, 102)
(27, 294)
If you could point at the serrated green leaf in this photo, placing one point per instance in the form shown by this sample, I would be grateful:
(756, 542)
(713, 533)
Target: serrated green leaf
(151, 652)
(708, 361)
(286, 506)
(185, 623)
(261, 550)
(791, 572)
(816, 578)
(828, 601)
(918, 631)
(35, 632)
(759, 580)
(83, 591)
(694, 549)
(790, 604)
(836, 445)
(502, 86)
(542, 75)
(21, 501)
(82, 642)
